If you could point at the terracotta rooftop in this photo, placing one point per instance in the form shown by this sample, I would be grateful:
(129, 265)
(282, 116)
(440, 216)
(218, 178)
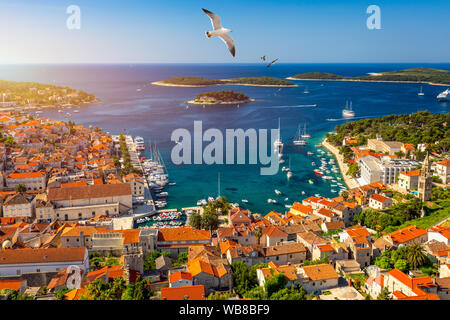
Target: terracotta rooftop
(196, 292)
(20, 256)
(90, 191)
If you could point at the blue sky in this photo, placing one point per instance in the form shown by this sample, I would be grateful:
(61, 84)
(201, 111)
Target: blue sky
(119, 31)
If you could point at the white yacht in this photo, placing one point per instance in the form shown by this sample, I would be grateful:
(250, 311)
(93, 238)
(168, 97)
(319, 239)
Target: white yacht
(305, 135)
(139, 143)
(277, 191)
(298, 139)
(278, 144)
(347, 112)
(421, 92)
(444, 95)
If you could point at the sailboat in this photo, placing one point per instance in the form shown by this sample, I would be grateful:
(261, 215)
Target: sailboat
(421, 92)
(305, 135)
(278, 144)
(298, 139)
(348, 112)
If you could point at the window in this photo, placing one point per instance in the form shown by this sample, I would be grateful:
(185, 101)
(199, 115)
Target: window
(67, 239)
(18, 271)
(38, 270)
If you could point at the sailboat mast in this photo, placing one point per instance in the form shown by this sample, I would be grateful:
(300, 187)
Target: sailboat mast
(218, 184)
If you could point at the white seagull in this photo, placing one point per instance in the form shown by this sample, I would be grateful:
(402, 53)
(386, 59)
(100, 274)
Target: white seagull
(220, 31)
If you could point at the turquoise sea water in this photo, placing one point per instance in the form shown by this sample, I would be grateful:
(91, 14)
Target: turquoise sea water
(130, 103)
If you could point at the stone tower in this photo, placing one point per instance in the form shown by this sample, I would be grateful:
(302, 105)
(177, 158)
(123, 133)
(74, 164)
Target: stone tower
(425, 182)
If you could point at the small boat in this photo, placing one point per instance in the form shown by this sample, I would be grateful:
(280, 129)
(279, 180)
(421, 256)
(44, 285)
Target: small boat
(277, 191)
(298, 139)
(172, 183)
(310, 182)
(309, 153)
(244, 200)
(313, 163)
(288, 206)
(318, 172)
(444, 95)
(281, 161)
(289, 174)
(421, 92)
(303, 192)
(347, 112)
(286, 199)
(306, 90)
(210, 199)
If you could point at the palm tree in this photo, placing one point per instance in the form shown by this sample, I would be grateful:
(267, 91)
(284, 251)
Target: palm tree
(416, 256)
(258, 234)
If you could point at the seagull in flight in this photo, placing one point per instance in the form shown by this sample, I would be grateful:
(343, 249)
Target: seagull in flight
(220, 31)
(263, 58)
(272, 62)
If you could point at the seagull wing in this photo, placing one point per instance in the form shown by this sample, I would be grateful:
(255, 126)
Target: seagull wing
(229, 42)
(215, 20)
(272, 63)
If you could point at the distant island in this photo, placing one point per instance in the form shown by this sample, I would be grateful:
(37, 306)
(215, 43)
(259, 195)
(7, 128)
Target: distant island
(15, 94)
(203, 82)
(220, 97)
(415, 75)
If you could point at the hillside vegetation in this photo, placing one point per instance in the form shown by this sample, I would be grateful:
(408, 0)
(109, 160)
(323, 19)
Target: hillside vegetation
(411, 75)
(221, 97)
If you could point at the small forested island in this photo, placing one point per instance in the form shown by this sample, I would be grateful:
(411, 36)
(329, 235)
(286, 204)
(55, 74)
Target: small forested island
(416, 128)
(220, 97)
(202, 82)
(33, 94)
(416, 75)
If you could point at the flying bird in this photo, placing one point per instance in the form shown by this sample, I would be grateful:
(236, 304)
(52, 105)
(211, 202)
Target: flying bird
(272, 63)
(220, 31)
(263, 58)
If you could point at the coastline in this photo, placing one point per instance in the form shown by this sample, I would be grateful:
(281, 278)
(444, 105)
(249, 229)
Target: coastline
(219, 103)
(343, 167)
(163, 84)
(358, 80)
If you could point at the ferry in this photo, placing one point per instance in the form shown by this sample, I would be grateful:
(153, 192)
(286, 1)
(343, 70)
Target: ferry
(348, 112)
(444, 95)
(139, 143)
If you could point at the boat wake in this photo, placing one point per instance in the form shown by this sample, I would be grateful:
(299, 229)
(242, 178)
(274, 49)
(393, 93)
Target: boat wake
(353, 118)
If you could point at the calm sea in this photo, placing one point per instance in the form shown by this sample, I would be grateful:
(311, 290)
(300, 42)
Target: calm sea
(130, 103)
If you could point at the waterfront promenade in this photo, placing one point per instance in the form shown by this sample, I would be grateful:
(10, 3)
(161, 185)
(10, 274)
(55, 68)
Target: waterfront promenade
(349, 181)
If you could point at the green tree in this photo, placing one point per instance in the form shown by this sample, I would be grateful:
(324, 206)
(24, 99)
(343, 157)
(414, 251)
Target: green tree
(384, 295)
(274, 284)
(258, 234)
(195, 220)
(21, 188)
(416, 257)
(401, 264)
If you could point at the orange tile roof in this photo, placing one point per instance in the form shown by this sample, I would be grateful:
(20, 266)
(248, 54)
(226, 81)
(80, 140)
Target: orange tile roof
(73, 184)
(180, 275)
(445, 231)
(11, 284)
(444, 163)
(320, 272)
(406, 234)
(75, 294)
(182, 234)
(378, 197)
(412, 173)
(196, 292)
(25, 175)
(302, 208)
(19, 256)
